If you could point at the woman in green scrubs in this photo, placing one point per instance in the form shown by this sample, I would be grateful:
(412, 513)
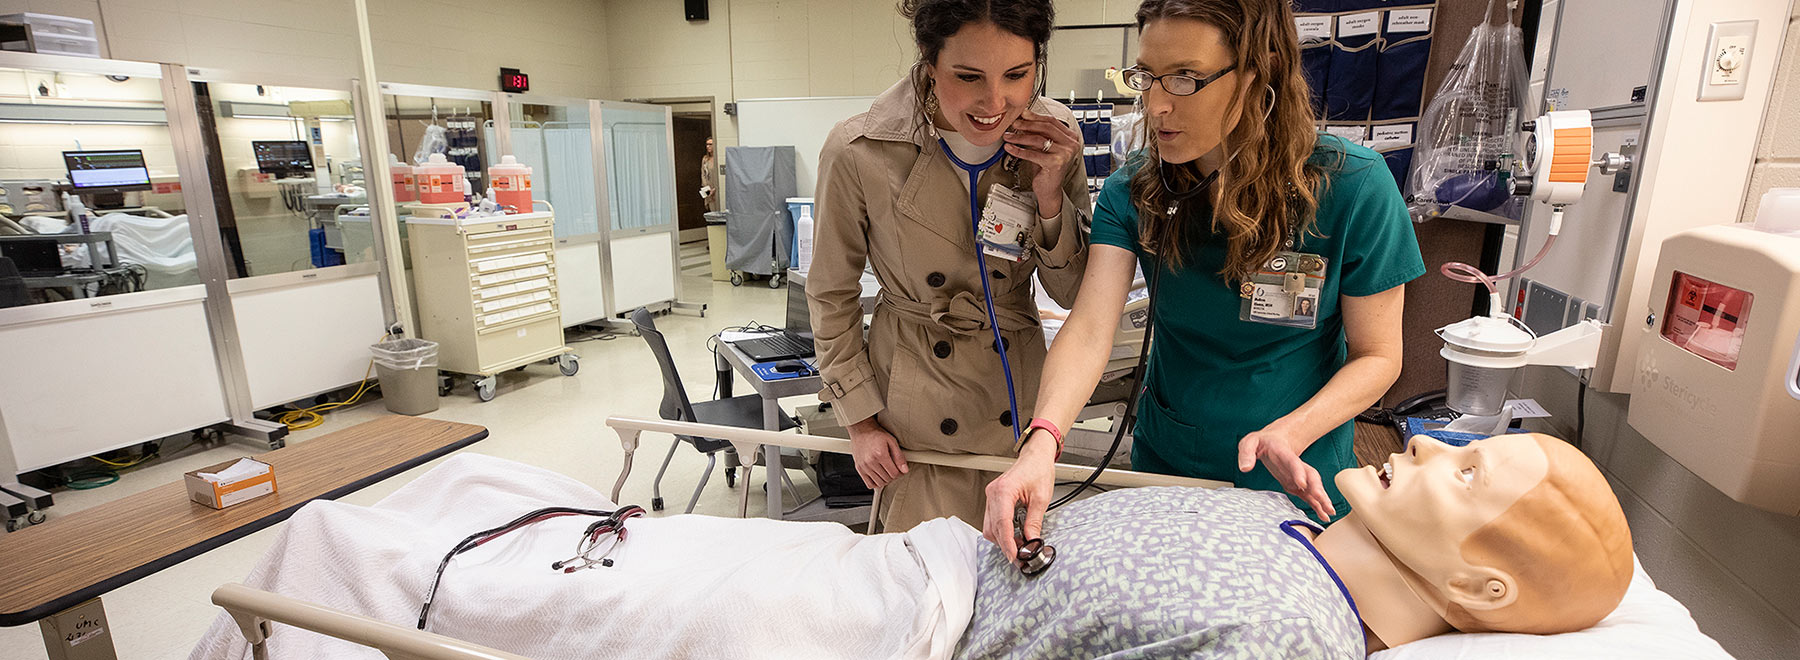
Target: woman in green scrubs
(1277, 275)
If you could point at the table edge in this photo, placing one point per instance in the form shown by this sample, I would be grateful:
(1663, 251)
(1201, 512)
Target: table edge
(79, 596)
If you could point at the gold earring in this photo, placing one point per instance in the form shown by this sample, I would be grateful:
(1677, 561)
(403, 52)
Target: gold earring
(931, 100)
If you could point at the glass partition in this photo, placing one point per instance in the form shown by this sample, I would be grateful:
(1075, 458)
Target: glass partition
(111, 132)
(289, 162)
(556, 141)
(419, 124)
(640, 177)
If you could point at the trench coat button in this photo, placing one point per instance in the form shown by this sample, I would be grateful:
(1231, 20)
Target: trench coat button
(1004, 344)
(998, 275)
(1006, 418)
(935, 280)
(948, 426)
(942, 349)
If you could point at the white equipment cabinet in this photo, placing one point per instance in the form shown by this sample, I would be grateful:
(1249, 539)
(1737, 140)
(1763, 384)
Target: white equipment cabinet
(487, 294)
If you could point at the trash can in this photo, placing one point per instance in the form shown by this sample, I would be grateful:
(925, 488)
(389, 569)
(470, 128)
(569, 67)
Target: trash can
(407, 368)
(715, 245)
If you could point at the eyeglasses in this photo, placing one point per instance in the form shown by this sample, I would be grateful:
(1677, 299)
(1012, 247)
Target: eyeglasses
(1173, 83)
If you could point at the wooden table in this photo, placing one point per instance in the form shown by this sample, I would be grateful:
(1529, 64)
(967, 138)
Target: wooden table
(75, 558)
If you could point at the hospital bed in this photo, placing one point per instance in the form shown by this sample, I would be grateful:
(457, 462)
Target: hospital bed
(1648, 623)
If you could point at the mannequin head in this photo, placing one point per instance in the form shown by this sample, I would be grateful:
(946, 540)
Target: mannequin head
(1515, 533)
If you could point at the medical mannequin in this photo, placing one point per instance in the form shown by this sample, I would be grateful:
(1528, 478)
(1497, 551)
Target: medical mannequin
(1516, 533)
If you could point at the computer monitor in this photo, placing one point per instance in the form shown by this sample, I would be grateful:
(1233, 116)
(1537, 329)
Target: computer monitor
(283, 158)
(101, 172)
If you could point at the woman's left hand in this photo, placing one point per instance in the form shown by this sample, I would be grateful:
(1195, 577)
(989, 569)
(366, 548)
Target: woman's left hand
(1052, 146)
(1299, 478)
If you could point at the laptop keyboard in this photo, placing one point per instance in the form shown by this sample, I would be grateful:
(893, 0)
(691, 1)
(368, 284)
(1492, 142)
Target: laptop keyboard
(780, 343)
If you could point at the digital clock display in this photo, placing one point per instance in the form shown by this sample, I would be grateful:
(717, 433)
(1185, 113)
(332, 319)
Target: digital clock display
(514, 80)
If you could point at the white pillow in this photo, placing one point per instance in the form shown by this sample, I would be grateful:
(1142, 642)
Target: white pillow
(1647, 624)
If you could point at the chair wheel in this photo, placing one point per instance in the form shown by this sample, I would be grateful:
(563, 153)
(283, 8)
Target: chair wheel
(656, 504)
(731, 478)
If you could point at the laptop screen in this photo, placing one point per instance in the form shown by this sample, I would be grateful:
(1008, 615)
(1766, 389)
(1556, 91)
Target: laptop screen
(799, 318)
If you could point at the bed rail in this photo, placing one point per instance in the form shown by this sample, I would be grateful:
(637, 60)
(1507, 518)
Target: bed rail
(748, 441)
(254, 610)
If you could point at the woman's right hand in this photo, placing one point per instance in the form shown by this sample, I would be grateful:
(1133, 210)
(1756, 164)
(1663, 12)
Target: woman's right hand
(877, 453)
(1030, 482)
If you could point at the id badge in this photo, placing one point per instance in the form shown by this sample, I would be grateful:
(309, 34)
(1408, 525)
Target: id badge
(1285, 291)
(1006, 223)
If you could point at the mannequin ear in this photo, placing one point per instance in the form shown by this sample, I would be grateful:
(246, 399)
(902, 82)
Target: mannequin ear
(1482, 588)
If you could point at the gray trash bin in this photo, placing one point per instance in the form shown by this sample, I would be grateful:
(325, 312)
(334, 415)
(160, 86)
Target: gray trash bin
(407, 368)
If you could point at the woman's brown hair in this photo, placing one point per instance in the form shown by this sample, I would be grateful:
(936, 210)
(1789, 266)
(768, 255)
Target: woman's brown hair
(934, 21)
(1266, 188)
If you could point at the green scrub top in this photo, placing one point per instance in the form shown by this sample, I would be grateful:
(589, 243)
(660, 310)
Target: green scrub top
(1214, 378)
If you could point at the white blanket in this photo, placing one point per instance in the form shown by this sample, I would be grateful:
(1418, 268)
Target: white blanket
(682, 586)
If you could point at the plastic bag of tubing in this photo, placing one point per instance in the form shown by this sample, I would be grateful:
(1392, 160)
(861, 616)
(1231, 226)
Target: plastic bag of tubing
(436, 141)
(1469, 137)
(406, 354)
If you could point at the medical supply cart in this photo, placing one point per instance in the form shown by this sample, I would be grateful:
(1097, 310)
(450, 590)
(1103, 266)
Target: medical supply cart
(487, 293)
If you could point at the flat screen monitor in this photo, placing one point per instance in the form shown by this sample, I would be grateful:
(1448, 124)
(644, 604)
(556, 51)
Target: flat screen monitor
(120, 170)
(283, 157)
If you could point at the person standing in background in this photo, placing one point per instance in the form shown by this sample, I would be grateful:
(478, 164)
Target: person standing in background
(709, 178)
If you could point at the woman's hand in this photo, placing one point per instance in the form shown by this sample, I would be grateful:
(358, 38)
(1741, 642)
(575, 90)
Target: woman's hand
(1278, 453)
(1029, 482)
(877, 453)
(1052, 146)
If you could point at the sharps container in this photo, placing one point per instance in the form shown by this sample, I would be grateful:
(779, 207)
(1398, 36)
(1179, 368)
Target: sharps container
(1482, 354)
(439, 181)
(406, 188)
(512, 184)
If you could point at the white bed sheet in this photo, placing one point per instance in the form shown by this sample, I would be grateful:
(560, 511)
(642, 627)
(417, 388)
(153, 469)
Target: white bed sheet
(683, 586)
(1647, 624)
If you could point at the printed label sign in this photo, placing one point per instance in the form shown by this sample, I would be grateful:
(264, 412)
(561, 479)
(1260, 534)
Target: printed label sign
(1409, 20)
(1392, 135)
(1313, 28)
(1356, 25)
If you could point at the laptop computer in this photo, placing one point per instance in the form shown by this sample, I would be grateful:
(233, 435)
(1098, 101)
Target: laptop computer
(34, 256)
(794, 341)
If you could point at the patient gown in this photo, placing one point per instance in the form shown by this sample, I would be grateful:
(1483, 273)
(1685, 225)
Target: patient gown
(1166, 573)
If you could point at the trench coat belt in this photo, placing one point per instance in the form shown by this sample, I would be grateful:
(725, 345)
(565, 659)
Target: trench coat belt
(963, 313)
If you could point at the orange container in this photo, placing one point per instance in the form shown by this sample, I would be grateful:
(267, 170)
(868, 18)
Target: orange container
(439, 181)
(406, 189)
(511, 181)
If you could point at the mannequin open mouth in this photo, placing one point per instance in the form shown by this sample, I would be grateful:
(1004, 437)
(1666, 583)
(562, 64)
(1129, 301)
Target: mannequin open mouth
(1387, 475)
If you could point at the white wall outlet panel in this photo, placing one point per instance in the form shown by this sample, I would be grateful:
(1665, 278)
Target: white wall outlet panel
(1729, 46)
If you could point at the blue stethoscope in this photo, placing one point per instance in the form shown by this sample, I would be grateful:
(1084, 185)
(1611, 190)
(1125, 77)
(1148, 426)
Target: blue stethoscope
(974, 171)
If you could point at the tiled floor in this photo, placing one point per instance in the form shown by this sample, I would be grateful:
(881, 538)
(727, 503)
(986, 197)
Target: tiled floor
(539, 417)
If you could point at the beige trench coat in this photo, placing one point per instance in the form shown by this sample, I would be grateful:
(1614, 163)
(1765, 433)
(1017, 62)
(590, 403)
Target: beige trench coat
(889, 196)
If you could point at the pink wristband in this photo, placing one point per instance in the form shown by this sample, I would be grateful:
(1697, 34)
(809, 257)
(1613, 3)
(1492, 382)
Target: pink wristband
(1055, 434)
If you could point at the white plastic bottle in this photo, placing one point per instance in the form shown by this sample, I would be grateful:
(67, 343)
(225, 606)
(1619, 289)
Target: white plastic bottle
(78, 212)
(803, 228)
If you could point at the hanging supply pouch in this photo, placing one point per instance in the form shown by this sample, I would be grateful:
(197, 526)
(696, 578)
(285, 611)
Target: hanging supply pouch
(1350, 83)
(1400, 70)
(1315, 56)
(1007, 222)
(1285, 292)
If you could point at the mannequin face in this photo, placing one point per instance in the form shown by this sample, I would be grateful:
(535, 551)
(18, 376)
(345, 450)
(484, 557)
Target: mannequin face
(1437, 498)
(984, 78)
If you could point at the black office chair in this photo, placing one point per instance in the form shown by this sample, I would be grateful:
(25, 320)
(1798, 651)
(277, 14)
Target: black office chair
(12, 286)
(740, 411)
